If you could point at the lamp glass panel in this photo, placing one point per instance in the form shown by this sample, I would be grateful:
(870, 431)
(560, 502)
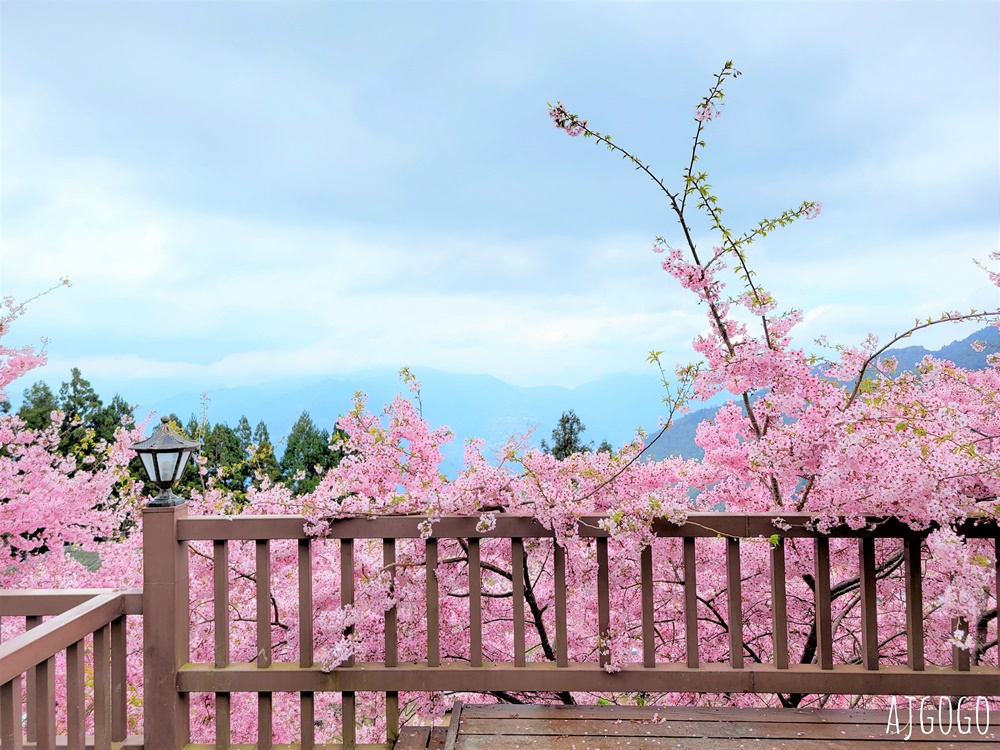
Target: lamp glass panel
(183, 464)
(168, 462)
(149, 466)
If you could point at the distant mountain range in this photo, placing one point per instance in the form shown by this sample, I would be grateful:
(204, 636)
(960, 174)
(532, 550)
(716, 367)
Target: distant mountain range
(679, 439)
(612, 408)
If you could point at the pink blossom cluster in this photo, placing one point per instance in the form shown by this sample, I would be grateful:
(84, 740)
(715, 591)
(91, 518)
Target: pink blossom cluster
(566, 121)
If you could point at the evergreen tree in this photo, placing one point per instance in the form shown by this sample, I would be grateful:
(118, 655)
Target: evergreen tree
(109, 419)
(307, 455)
(566, 437)
(80, 404)
(225, 458)
(39, 403)
(264, 460)
(245, 434)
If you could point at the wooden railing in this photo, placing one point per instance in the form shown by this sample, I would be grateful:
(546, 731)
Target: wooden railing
(736, 675)
(79, 621)
(170, 678)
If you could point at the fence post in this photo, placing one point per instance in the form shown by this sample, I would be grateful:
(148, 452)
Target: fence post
(165, 631)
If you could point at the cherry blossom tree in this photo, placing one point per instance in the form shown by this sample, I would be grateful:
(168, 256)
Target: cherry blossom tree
(842, 437)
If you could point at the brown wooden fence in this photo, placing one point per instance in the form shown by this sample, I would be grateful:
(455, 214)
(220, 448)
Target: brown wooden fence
(79, 621)
(170, 677)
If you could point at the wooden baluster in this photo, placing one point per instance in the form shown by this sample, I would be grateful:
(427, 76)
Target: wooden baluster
(869, 610)
(433, 644)
(603, 603)
(734, 586)
(914, 593)
(960, 656)
(102, 688)
(347, 701)
(562, 633)
(30, 691)
(119, 680)
(517, 584)
(45, 705)
(690, 603)
(307, 704)
(475, 605)
(648, 629)
(824, 622)
(779, 605)
(76, 701)
(220, 595)
(264, 700)
(10, 714)
(391, 643)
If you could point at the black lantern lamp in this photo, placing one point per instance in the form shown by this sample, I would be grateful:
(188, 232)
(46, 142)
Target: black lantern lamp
(164, 456)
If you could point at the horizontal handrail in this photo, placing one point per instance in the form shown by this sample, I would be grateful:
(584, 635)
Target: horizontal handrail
(712, 677)
(32, 648)
(49, 602)
(697, 525)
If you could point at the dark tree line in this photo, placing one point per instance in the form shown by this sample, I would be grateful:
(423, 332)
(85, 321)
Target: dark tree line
(236, 457)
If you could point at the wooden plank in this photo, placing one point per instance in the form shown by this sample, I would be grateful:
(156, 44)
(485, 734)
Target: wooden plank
(678, 713)
(779, 605)
(691, 603)
(119, 680)
(847, 679)
(31, 622)
(475, 605)
(679, 728)
(517, 582)
(264, 698)
(75, 697)
(603, 604)
(220, 593)
(824, 621)
(477, 742)
(102, 688)
(45, 716)
(913, 591)
(960, 656)
(263, 588)
(10, 714)
(307, 704)
(648, 624)
(349, 717)
(265, 729)
(347, 700)
(49, 602)
(559, 575)
(439, 736)
(391, 643)
(702, 525)
(869, 612)
(734, 595)
(413, 738)
(454, 723)
(433, 638)
(223, 724)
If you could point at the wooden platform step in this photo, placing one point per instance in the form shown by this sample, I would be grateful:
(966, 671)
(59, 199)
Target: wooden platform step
(508, 727)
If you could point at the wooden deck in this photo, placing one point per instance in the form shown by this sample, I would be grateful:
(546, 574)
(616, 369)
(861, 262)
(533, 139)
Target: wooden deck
(507, 727)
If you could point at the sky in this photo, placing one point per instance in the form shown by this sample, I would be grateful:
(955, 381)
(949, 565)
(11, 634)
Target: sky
(248, 192)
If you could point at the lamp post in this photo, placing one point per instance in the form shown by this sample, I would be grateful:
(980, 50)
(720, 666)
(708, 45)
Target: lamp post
(164, 456)
(165, 591)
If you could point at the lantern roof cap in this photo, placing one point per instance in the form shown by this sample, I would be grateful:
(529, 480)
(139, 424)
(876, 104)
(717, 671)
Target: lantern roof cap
(165, 439)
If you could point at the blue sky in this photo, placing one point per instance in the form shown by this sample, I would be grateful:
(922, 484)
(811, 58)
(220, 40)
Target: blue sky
(243, 192)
